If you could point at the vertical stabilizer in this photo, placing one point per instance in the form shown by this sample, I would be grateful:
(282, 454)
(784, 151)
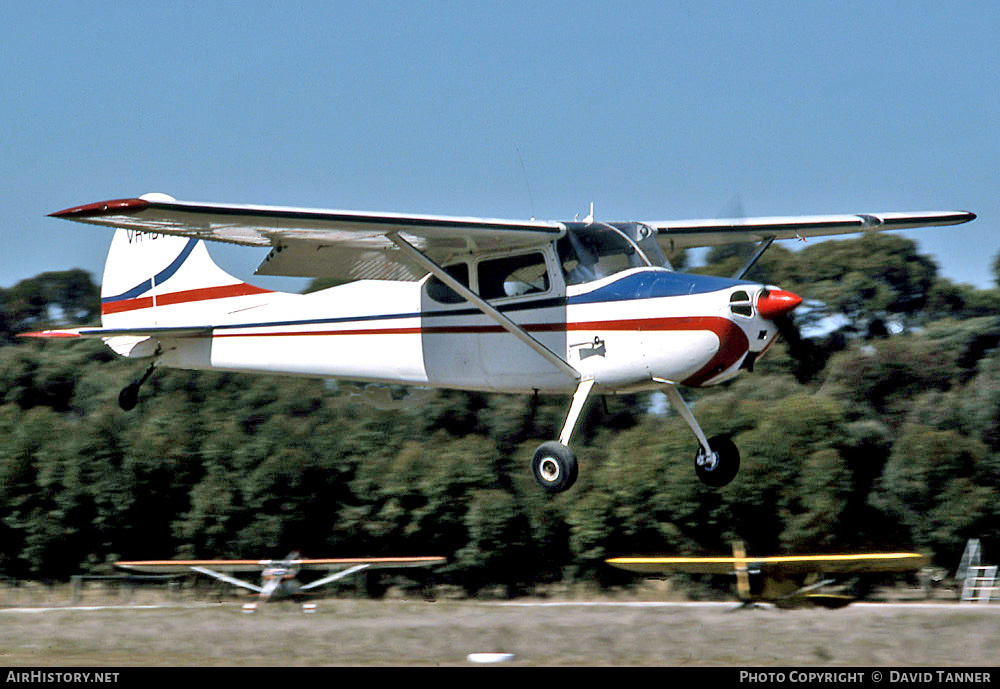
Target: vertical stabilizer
(155, 280)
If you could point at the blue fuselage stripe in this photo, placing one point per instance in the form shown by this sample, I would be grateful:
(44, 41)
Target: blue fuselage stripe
(159, 278)
(645, 285)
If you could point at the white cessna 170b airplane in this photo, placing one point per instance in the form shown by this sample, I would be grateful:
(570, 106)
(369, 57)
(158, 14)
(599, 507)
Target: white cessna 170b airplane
(452, 302)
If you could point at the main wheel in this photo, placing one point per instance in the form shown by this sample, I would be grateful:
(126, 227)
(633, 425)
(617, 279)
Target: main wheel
(719, 467)
(554, 467)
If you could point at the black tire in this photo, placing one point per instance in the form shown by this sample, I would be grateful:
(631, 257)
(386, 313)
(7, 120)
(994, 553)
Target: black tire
(725, 467)
(129, 397)
(554, 467)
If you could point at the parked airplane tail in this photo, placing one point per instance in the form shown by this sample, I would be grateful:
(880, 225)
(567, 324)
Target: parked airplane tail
(156, 280)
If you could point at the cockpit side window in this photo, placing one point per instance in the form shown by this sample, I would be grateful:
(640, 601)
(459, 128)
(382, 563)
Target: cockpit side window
(442, 293)
(513, 276)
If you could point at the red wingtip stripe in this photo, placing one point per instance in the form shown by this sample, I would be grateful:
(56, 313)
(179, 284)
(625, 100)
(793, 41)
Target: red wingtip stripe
(114, 207)
(50, 334)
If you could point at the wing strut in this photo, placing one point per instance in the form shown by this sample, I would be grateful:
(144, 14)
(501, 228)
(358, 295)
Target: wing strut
(228, 579)
(334, 577)
(764, 246)
(507, 324)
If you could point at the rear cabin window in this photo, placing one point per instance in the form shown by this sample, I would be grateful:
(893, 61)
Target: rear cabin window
(442, 293)
(513, 276)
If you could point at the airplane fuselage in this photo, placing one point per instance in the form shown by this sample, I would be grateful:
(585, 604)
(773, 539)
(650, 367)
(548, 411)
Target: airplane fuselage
(629, 331)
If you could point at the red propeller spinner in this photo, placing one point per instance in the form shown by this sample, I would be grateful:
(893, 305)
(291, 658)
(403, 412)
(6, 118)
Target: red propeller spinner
(773, 303)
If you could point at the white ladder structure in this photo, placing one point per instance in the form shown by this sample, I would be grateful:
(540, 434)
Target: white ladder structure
(980, 584)
(979, 581)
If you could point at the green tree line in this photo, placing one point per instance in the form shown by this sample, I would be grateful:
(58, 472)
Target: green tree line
(877, 426)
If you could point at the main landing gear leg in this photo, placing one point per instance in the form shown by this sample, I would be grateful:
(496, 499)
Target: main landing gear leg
(717, 460)
(554, 464)
(129, 396)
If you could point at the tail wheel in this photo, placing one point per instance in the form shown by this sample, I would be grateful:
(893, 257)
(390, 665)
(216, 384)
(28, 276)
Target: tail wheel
(718, 467)
(129, 397)
(554, 467)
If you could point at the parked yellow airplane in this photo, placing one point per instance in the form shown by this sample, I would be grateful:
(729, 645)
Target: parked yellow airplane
(783, 580)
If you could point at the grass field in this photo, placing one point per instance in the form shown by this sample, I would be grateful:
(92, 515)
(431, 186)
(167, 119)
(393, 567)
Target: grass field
(420, 633)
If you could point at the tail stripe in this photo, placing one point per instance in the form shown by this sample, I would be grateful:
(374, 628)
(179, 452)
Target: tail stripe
(160, 277)
(183, 297)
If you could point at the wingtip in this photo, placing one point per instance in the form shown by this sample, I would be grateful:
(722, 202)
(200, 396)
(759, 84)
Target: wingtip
(50, 334)
(113, 207)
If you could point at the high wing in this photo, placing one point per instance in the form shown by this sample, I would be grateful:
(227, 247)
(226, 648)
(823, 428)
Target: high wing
(684, 234)
(787, 564)
(370, 562)
(179, 566)
(353, 245)
(300, 238)
(174, 566)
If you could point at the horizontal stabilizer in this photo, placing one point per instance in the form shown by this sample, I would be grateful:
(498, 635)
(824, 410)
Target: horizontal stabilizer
(85, 332)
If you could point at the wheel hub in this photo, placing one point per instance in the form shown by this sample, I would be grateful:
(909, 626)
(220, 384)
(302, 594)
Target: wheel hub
(707, 460)
(549, 469)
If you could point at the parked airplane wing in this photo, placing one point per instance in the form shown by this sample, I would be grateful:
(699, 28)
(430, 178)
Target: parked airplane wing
(371, 562)
(171, 566)
(789, 564)
(179, 566)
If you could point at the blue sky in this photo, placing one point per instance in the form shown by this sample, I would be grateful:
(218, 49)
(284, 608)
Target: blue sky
(650, 110)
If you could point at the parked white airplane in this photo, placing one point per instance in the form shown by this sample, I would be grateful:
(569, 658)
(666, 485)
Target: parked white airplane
(452, 302)
(279, 578)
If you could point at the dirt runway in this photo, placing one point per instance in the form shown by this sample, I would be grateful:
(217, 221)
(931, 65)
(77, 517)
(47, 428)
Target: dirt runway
(349, 632)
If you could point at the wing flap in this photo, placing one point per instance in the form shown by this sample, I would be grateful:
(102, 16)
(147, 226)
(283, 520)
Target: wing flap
(316, 259)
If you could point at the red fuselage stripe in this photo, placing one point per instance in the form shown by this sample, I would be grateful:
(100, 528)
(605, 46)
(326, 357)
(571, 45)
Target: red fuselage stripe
(717, 325)
(183, 297)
